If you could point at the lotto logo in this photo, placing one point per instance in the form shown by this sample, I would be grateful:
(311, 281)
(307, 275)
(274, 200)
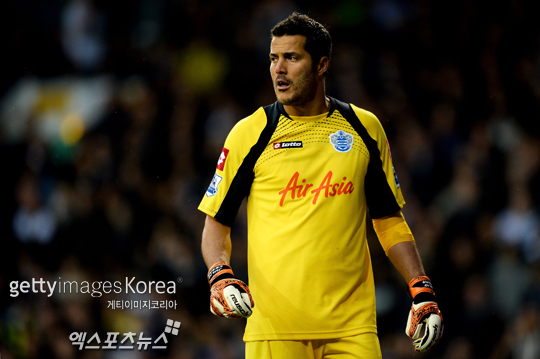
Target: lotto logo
(222, 159)
(290, 144)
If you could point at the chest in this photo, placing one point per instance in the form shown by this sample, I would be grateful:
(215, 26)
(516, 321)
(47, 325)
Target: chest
(311, 161)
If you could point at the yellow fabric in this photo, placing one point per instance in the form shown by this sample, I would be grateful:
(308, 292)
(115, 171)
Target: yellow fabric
(392, 230)
(320, 117)
(308, 259)
(362, 346)
(243, 138)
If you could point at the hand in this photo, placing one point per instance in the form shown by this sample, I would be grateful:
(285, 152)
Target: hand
(425, 314)
(229, 296)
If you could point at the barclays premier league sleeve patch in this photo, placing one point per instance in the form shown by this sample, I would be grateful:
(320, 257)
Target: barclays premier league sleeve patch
(213, 188)
(395, 177)
(393, 169)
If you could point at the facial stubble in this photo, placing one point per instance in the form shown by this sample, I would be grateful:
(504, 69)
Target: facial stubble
(305, 90)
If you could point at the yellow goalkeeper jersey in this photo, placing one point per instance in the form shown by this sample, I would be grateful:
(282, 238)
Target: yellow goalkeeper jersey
(309, 182)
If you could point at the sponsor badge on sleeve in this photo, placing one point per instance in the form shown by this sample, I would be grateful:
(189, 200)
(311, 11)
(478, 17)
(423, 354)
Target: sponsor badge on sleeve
(213, 188)
(222, 159)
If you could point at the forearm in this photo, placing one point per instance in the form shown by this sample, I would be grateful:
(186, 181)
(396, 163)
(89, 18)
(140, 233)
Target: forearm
(404, 256)
(216, 242)
(229, 296)
(425, 323)
(398, 243)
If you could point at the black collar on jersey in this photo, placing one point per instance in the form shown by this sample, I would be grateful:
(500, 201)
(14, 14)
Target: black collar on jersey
(281, 108)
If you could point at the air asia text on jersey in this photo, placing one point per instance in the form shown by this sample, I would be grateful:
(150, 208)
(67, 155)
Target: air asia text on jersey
(327, 187)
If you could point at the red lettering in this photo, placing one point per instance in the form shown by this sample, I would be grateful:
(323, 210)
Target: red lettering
(299, 194)
(291, 186)
(317, 191)
(340, 190)
(301, 190)
(308, 186)
(334, 190)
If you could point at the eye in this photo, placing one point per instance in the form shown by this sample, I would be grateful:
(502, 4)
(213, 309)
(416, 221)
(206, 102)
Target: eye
(292, 58)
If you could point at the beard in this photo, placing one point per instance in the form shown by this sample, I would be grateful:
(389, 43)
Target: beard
(304, 90)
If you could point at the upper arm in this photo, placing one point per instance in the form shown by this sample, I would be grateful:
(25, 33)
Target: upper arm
(233, 176)
(383, 192)
(392, 230)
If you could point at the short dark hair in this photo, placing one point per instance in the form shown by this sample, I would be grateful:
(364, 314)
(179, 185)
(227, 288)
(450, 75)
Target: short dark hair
(318, 40)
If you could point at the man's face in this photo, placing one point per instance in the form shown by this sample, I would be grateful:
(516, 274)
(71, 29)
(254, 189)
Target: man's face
(291, 67)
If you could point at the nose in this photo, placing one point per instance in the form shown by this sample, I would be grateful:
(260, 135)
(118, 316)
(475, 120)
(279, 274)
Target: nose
(280, 67)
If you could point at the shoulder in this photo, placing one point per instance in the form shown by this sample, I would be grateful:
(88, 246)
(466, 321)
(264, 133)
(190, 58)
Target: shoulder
(369, 121)
(367, 118)
(249, 128)
(255, 120)
(349, 110)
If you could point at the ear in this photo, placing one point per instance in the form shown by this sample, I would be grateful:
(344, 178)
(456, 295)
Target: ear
(322, 67)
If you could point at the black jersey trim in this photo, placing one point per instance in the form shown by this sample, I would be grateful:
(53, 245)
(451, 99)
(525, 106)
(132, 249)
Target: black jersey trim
(241, 183)
(379, 196)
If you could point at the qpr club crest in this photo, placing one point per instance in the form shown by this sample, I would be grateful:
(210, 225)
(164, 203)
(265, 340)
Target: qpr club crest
(342, 141)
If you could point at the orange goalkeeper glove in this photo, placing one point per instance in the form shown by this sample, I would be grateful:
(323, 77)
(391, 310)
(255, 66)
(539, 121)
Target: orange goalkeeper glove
(229, 296)
(424, 313)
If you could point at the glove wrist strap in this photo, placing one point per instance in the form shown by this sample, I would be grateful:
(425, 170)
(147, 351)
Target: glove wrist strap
(219, 271)
(421, 290)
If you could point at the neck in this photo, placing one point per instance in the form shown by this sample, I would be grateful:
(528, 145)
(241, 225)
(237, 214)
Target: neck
(319, 105)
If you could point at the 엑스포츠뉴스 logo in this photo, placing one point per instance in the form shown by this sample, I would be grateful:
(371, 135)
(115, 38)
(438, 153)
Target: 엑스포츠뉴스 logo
(342, 141)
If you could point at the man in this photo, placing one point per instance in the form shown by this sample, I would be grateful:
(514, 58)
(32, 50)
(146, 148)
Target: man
(310, 166)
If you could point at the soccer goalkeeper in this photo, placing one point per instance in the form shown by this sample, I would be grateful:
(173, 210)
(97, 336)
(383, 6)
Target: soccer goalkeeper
(311, 167)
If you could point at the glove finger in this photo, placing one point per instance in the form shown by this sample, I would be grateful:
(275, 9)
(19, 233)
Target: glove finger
(432, 333)
(236, 302)
(247, 299)
(215, 312)
(418, 332)
(217, 309)
(409, 323)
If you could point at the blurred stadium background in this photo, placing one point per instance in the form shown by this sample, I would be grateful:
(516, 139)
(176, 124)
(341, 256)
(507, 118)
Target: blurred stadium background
(113, 114)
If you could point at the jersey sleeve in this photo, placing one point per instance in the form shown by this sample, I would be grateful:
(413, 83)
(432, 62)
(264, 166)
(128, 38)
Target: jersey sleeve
(383, 192)
(233, 177)
(392, 230)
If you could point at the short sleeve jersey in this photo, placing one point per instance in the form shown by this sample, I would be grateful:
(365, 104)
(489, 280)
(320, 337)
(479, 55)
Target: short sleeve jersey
(309, 182)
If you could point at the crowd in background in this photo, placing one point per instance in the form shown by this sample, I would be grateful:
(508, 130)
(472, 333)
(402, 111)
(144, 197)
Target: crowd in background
(109, 189)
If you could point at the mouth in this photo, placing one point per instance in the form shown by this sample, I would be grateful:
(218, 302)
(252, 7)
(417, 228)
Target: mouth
(282, 85)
